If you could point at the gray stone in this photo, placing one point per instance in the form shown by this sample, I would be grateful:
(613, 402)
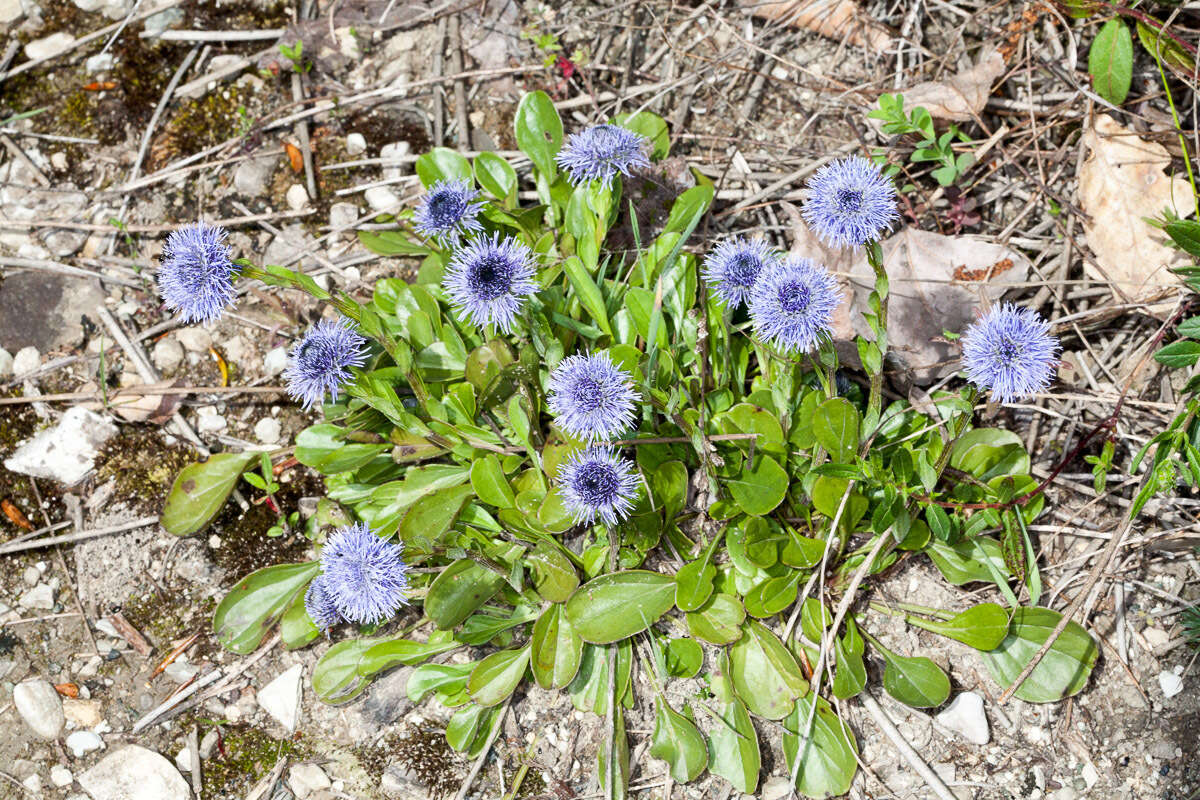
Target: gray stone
(155, 24)
(27, 360)
(776, 788)
(965, 716)
(304, 779)
(356, 144)
(281, 697)
(60, 776)
(31, 575)
(267, 430)
(342, 215)
(6, 363)
(209, 421)
(1170, 683)
(251, 176)
(296, 197)
(41, 708)
(66, 452)
(134, 773)
(381, 198)
(394, 152)
(275, 361)
(209, 743)
(101, 62)
(82, 742)
(167, 354)
(180, 671)
(39, 598)
(10, 11)
(401, 784)
(183, 760)
(61, 302)
(194, 339)
(33, 784)
(49, 46)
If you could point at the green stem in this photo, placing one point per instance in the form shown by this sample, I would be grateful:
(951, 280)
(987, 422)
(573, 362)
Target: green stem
(1187, 161)
(875, 398)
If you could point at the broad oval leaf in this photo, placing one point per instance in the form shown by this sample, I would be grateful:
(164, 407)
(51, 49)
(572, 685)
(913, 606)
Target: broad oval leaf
(389, 653)
(914, 680)
(1064, 670)
(497, 676)
(683, 657)
(497, 176)
(989, 452)
(490, 483)
(458, 590)
(835, 424)
(677, 741)
(256, 602)
(441, 678)
(983, 626)
(733, 747)
(694, 584)
(200, 490)
(335, 678)
(719, 621)
(1110, 61)
(443, 164)
(616, 606)
(539, 131)
(556, 649)
(324, 448)
(826, 759)
(554, 576)
(296, 628)
(759, 489)
(764, 673)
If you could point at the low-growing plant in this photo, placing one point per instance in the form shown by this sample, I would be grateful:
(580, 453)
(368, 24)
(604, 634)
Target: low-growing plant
(592, 461)
(931, 146)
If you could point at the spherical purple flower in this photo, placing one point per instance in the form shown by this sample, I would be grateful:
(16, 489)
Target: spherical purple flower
(365, 575)
(321, 361)
(1010, 351)
(448, 211)
(318, 602)
(489, 279)
(600, 152)
(596, 482)
(195, 278)
(733, 266)
(850, 202)
(792, 304)
(591, 396)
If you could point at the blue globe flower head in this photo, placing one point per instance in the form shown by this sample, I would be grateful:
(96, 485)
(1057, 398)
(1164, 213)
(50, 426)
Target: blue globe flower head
(321, 361)
(600, 152)
(365, 575)
(733, 266)
(318, 602)
(448, 211)
(195, 278)
(488, 280)
(850, 202)
(597, 482)
(592, 397)
(1010, 351)
(792, 304)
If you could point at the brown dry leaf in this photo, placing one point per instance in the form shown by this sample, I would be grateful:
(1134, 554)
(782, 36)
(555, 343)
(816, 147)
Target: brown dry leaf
(836, 19)
(962, 96)
(1123, 182)
(132, 406)
(926, 298)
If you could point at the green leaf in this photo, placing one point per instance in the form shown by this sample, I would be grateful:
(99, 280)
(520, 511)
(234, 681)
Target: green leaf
(431, 516)
(612, 762)
(677, 741)
(441, 678)
(616, 606)
(554, 576)
(539, 131)
(987, 453)
(256, 603)
(827, 757)
(694, 584)
(389, 653)
(650, 125)
(296, 628)
(324, 448)
(496, 176)
(764, 673)
(968, 560)
(851, 674)
(1110, 61)
(464, 726)
(335, 678)
(1186, 234)
(487, 478)
(443, 164)
(759, 489)
(391, 243)
(668, 486)
(773, 595)
(1166, 48)
(200, 490)
(688, 208)
(1183, 353)
(589, 690)
(497, 676)
(719, 621)
(556, 649)
(587, 291)
(1190, 327)
(683, 657)
(733, 747)
(458, 591)
(983, 626)
(835, 425)
(1061, 673)
(914, 680)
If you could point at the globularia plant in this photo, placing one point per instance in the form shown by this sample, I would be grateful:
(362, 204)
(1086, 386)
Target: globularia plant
(582, 461)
